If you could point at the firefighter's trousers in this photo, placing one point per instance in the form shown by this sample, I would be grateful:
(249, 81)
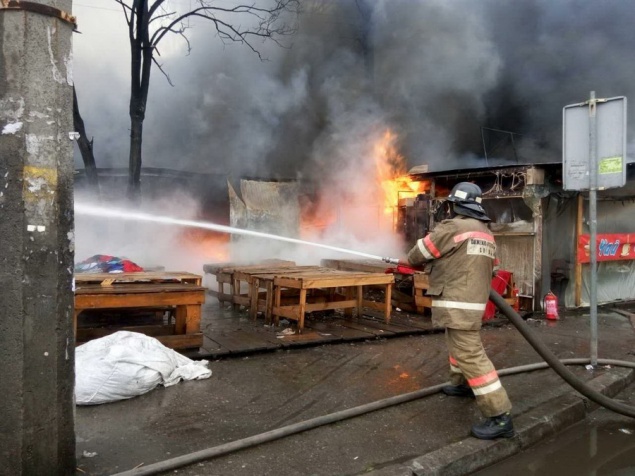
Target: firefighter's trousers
(470, 365)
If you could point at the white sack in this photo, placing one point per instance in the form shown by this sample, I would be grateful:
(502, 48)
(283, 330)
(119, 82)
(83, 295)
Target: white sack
(126, 364)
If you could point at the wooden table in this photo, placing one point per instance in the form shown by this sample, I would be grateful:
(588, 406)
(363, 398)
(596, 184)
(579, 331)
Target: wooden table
(224, 273)
(263, 301)
(177, 292)
(350, 283)
(412, 301)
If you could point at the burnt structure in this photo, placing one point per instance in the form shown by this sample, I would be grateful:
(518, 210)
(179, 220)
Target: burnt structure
(513, 198)
(539, 227)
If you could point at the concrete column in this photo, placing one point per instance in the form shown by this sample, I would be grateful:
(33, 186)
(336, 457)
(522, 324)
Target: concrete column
(36, 242)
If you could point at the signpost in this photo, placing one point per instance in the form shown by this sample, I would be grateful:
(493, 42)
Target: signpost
(594, 158)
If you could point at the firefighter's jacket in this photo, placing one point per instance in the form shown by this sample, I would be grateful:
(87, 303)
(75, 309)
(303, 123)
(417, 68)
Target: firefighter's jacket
(461, 254)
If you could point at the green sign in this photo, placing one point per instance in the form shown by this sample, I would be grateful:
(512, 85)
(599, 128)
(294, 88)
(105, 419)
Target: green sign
(610, 165)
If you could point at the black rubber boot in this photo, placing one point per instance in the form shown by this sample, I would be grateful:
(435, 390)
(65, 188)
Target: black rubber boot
(500, 426)
(461, 390)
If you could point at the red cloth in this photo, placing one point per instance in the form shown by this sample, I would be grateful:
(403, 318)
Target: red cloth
(499, 284)
(106, 264)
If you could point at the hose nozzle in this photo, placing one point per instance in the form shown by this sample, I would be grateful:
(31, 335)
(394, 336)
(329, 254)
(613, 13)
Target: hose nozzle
(394, 261)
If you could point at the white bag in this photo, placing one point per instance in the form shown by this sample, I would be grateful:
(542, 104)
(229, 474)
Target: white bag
(126, 364)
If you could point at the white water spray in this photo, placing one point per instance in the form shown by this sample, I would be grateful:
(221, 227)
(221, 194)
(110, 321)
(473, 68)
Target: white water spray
(81, 209)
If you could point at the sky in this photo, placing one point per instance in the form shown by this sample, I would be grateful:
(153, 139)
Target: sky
(453, 80)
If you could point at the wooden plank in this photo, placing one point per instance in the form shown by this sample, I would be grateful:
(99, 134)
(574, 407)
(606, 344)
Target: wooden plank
(267, 334)
(421, 280)
(306, 338)
(138, 277)
(188, 319)
(368, 266)
(407, 321)
(293, 312)
(336, 329)
(140, 288)
(213, 268)
(366, 327)
(263, 273)
(112, 301)
(210, 346)
(233, 269)
(240, 340)
(387, 302)
(380, 306)
(185, 341)
(88, 333)
(328, 281)
(423, 301)
(224, 278)
(381, 324)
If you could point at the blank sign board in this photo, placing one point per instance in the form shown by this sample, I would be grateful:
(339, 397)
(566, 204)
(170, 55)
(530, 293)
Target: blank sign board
(610, 136)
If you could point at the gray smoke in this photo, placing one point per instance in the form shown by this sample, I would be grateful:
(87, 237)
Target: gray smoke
(435, 72)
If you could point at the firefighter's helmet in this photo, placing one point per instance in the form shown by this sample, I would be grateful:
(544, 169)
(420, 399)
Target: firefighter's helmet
(467, 198)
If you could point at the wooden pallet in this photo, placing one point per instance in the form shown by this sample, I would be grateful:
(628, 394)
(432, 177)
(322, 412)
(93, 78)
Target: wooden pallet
(179, 293)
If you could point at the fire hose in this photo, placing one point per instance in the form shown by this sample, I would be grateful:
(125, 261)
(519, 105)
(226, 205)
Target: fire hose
(550, 361)
(555, 363)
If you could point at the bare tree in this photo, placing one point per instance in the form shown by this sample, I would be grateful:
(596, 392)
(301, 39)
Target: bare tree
(85, 147)
(149, 21)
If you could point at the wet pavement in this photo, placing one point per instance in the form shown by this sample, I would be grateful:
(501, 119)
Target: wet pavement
(255, 393)
(603, 444)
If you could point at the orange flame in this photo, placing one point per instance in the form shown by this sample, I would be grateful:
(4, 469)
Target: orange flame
(392, 173)
(210, 245)
(390, 183)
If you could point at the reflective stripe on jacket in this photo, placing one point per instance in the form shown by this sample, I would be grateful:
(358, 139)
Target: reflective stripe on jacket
(461, 252)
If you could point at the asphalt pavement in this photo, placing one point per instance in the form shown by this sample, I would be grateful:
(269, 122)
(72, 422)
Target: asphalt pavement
(259, 393)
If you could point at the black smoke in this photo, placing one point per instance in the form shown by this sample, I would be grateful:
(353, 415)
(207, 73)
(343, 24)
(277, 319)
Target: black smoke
(447, 76)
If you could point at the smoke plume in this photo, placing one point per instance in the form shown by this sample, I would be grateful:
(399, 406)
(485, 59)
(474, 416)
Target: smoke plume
(443, 75)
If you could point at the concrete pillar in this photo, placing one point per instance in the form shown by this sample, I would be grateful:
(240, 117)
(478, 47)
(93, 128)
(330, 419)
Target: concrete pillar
(36, 241)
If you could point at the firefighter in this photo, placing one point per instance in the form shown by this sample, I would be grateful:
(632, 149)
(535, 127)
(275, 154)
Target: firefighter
(460, 254)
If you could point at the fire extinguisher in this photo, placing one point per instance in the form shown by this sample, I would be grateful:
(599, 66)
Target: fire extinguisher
(550, 305)
(515, 293)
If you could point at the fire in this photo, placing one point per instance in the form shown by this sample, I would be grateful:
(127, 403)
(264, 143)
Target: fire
(370, 200)
(207, 244)
(392, 173)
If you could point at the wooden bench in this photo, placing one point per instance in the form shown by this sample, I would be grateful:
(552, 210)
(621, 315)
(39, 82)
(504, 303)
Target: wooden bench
(180, 294)
(350, 283)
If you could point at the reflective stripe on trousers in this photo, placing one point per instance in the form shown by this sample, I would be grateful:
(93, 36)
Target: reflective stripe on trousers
(475, 369)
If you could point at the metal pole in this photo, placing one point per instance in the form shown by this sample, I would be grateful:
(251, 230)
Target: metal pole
(593, 177)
